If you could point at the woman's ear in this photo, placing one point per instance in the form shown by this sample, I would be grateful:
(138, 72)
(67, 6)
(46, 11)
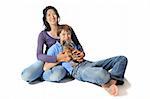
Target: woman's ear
(58, 20)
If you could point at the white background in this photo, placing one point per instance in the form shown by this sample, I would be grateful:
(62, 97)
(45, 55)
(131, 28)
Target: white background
(105, 28)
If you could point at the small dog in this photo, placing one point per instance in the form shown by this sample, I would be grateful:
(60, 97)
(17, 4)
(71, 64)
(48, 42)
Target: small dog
(68, 47)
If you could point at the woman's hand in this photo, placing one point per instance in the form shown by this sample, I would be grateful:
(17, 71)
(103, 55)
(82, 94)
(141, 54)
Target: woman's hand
(63, 57)
(79, 55)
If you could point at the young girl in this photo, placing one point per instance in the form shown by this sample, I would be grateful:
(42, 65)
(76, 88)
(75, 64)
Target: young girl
(87, 71)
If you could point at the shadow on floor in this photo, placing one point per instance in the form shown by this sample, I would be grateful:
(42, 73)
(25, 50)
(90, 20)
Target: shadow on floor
(65, 80)
(123, 88)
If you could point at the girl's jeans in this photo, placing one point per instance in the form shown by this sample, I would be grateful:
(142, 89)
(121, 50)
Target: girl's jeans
(97, 72)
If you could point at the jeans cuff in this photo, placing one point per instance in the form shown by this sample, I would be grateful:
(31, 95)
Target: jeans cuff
(119, 80)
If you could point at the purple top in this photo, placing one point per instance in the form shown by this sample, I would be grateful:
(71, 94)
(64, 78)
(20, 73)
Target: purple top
(45, 38)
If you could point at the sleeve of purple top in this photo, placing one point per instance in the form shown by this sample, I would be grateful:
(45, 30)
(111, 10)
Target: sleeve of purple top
(40, 55)
(76, 41)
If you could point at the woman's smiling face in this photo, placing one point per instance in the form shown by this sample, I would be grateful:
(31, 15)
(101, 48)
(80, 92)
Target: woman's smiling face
(51, 17)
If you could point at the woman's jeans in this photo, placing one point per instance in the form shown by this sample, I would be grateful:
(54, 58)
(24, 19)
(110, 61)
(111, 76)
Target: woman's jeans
(55, 74)
(98, 72)
(35, 71)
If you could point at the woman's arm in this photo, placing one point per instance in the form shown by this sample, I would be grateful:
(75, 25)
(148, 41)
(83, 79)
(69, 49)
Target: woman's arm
(48, 66)
(54, 51)
(79, 55)
(76, 41)
(61, 57)
(40, 55)
(79, 51)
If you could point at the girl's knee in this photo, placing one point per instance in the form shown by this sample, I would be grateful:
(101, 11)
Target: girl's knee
(124, 60)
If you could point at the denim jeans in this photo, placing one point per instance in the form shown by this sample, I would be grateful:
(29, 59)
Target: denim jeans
(55, 74)
(98, 72)
(35, 71)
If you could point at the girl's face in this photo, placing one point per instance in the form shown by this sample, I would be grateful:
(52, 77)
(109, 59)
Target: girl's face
(65, 36)
(51, 17)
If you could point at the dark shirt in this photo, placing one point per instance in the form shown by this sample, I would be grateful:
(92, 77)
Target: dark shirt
(45, 39)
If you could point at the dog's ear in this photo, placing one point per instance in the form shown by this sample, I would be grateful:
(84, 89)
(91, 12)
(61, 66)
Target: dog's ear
(63, 43)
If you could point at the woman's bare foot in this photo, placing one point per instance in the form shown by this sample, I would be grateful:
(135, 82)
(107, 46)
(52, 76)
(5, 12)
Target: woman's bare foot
(111, 87)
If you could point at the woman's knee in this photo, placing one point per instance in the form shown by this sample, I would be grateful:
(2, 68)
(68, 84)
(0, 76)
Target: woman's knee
(54, 75)
(27, 76)
(32, 72)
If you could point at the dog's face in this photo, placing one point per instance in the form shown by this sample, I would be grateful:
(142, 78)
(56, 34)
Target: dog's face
(68, 47)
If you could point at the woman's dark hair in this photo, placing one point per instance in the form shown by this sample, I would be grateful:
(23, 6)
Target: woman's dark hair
(47, 26)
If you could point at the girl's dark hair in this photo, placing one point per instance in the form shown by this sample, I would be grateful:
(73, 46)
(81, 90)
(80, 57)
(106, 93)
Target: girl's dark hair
(47, 26)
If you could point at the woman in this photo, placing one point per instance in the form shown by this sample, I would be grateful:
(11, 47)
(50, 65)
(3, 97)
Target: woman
(48, 37)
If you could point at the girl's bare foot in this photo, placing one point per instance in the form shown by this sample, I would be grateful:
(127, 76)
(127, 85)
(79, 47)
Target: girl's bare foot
(111, 87)
(112, 90)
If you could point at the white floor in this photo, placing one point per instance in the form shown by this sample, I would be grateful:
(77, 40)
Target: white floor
(105, 28)
(17, 88)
